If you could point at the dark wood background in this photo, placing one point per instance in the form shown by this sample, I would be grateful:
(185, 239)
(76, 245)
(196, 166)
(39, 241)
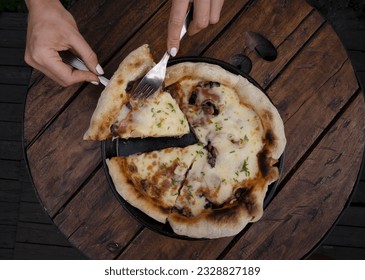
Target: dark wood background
(26, 232)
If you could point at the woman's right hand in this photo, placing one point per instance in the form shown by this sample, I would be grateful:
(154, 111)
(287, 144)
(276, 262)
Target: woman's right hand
(51, 28)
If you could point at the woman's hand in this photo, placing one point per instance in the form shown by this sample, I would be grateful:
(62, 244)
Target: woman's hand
(51, 28)
(205, 12)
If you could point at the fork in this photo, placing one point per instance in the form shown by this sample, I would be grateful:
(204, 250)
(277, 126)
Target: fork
(76, 62)
(153, 80)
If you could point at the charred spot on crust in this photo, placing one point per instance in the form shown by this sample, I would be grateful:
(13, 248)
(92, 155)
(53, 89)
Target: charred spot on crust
(263, 161)
(210, 108)
(224, 213)
(211, 205)
(211, 84)
(129, 86)
(129, 106)
(185, 211)
(193, 97)
(240, 193)
(114, 129)
(144, 184)
(212, 154)
(269, 137)
(164, 209)
(132, 168)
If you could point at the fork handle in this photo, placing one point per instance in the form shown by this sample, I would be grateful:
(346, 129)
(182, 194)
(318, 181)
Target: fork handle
(188, 18)
(104, 81)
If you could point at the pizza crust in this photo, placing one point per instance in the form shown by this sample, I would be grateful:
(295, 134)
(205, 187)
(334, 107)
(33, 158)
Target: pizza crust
(128, 191)
(114, 96)
(151, 181)
(229, 213)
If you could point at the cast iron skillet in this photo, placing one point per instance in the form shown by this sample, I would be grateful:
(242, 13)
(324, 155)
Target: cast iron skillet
(120, 147)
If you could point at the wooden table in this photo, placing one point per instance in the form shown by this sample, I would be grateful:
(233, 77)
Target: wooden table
(311, 82)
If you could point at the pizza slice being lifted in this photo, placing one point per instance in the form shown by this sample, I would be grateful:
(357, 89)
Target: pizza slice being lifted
(117, 114)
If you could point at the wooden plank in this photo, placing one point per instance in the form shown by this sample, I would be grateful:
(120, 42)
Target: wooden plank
(65, 172)
(13, 21)
(13, 57)
(28, 193)
(13, 93)
(9, 169)
(359, 195)
(187, 253)
(164, 247)
(6, 254)
(361, 77)
(340, 253)
(46, 234)
(7, 236)
(354, 40)
(353, 216)
(272, 21)
(32, 212)
(24, 175)
(8, 213)
(314, 182)
(95, 205)
(10, 131)
(329, 97)
(11, 150)
(12, 39)
(10, 112)
(348, 236)
(25, 251)
(358, 60)
(14, 75)
(9, 190)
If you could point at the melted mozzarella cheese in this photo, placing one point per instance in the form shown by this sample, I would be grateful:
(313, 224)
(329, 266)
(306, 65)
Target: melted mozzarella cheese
(166, 167)
(156, 116)
(236, 134)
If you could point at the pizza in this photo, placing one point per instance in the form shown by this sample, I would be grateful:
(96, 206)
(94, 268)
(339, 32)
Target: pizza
(210, 189)
(151, 181)
(117, 115)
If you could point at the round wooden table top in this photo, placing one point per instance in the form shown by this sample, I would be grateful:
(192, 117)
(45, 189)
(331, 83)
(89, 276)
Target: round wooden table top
(311, 82)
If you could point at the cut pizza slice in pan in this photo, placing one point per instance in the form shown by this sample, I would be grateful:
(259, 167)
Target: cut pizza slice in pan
(151, 181)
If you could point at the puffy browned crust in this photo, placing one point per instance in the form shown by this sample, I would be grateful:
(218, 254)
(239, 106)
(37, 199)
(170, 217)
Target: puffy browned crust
(114, 96)
(232, 218)
(248, 94)
(253, 97)
(127, 187)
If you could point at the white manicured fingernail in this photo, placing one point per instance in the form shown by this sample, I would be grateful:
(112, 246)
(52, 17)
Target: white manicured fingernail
(99, 69)
(94, 83)
(173, 52)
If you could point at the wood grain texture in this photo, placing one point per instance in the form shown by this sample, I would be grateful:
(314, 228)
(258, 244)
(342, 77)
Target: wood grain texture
(311, 82)
(180, 248)
(95, 222)
(312, 197)
(43, 157)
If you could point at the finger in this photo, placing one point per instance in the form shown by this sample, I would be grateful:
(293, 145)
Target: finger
(176, 21)
(215, 11)
(201, 16)
(82, 48)
(63, 74)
